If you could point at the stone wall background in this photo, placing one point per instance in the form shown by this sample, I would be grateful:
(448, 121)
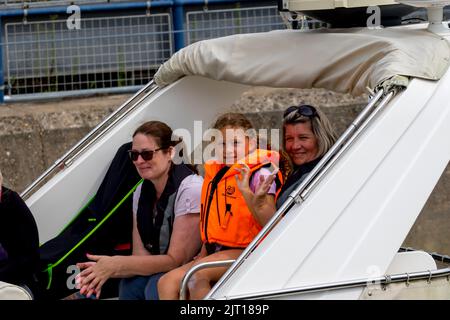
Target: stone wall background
(35, 135)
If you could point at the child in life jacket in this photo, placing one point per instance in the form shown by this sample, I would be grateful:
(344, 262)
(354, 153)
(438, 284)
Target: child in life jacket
(227, 221)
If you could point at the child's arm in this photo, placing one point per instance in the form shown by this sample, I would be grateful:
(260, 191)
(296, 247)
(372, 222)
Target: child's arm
(261, 204)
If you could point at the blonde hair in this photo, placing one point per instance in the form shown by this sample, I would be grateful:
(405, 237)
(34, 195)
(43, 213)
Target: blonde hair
(237, 121)
(320, 126)
(233, 119)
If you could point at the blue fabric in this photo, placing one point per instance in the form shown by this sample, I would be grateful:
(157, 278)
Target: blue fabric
(140, 287)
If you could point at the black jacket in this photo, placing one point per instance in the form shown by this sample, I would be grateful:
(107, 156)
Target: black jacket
(295, 179)
(19, 240)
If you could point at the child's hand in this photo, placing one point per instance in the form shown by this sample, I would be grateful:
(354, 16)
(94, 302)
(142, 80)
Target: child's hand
(243, 178)
(265, 183)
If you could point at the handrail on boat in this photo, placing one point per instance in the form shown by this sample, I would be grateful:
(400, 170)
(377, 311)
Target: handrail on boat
(96, 133)
(373, 108)
(382, 280)
(198, 267)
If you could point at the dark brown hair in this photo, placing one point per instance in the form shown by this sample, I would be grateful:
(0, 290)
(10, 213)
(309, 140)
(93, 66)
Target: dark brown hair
(238, 120)
(163, 136)
(160, 131)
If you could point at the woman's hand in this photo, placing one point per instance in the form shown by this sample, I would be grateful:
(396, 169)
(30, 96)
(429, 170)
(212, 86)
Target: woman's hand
(95, 274)
(81, 278)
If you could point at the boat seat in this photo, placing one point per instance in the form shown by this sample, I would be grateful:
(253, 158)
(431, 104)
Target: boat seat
(411, 261)
(9, 291)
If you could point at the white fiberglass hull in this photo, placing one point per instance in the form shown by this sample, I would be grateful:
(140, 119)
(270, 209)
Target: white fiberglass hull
(354, 221)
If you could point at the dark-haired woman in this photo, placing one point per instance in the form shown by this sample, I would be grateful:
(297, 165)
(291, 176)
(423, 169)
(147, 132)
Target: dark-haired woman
(166, 210)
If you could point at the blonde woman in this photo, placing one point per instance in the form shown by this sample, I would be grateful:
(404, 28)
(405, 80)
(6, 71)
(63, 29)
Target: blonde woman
(307, 137)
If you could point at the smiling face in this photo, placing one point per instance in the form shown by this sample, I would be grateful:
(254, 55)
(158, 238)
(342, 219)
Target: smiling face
(156, 167)
(300, 142)
(235, 145)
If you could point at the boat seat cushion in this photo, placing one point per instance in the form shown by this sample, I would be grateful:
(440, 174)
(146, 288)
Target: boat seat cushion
(12, 292)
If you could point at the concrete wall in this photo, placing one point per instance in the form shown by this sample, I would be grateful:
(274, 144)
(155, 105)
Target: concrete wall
(34, 135)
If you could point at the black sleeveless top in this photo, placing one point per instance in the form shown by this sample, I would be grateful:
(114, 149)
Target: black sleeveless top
(295, 179)
(155, 230)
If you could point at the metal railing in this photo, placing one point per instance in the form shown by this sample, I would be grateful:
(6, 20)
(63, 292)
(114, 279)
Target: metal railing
(198, 267)
(302, 191)
(382, 280)
(207, 24)
(49, 3)
(44, 58)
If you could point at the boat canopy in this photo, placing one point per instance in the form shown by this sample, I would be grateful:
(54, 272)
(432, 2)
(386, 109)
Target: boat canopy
(341, 60)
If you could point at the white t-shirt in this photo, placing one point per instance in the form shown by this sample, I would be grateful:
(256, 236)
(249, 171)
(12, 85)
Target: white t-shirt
(188, 196)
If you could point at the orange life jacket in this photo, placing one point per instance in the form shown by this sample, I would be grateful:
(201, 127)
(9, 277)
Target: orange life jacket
(225, 218)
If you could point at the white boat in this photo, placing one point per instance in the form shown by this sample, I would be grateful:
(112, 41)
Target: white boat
(338, 236)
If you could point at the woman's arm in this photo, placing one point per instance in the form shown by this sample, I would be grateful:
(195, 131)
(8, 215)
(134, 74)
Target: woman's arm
(138, 248)
(184, 244)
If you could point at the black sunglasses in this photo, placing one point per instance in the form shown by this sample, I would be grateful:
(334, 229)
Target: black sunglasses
(303, 110)
(147, 155)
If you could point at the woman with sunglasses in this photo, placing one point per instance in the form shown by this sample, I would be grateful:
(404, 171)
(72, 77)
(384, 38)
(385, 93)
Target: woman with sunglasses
(19, 240)
(307, 136)
(166, 210)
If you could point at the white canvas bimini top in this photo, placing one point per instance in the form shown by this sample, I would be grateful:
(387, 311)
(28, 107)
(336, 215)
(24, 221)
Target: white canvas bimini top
(341, 60)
